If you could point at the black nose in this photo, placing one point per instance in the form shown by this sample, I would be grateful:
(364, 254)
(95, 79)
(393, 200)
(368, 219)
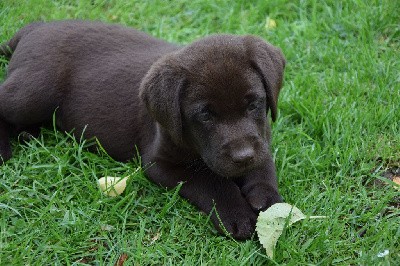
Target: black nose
(243, 156)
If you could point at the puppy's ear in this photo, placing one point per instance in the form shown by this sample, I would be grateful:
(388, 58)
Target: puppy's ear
(270, 63)
(160, 91)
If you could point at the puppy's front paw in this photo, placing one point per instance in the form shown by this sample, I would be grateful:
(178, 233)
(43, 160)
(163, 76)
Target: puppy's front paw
(5, 152)
(262, 197)
(239, 222)
(5, 145)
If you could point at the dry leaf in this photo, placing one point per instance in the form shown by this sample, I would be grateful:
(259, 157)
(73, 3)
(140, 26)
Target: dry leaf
(112, 186)
(270, 224)
(270, 24)
(155, 238)
(121, 260)
(396, 180)
(383, 253)
(107, 227)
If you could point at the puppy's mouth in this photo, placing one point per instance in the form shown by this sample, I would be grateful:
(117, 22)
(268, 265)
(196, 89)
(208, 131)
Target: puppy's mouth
(230, 170)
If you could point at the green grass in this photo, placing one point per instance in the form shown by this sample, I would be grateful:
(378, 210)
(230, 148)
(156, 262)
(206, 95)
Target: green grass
(337, 132)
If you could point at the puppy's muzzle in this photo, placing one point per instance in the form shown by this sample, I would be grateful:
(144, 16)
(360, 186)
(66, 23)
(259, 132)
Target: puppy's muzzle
(242, 153)
(243, 157)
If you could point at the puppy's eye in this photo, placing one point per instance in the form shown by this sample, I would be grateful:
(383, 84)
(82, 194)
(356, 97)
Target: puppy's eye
(253, 106)
(204, 116)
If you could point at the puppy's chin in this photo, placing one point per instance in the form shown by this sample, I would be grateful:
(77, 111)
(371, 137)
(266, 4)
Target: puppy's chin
(229, 170)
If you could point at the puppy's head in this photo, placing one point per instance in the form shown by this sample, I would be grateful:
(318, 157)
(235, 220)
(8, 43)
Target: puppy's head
(214, 96)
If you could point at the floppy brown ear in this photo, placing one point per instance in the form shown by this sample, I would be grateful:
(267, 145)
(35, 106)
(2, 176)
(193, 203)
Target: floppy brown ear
(160, 91)
(270, 63)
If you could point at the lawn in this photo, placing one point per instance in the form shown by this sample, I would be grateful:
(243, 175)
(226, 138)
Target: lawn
(336, 144)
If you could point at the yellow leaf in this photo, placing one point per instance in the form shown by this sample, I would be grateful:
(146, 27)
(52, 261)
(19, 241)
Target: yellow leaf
(112, 186)
(270, 23)
(396, 180)
(270, 224)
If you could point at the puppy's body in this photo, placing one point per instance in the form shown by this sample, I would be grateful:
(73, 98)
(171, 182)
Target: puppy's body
(91, 72)
(198, 113)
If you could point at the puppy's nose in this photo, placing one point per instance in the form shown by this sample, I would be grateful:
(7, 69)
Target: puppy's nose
(243, 156)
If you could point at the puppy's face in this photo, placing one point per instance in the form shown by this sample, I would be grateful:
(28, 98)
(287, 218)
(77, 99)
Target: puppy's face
(225, 118)
(214, 96)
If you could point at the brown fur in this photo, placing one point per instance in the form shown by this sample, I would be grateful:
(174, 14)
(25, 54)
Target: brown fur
(197, 113)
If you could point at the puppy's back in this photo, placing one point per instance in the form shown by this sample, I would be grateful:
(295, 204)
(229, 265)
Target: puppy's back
(81, 41)
(90, 73)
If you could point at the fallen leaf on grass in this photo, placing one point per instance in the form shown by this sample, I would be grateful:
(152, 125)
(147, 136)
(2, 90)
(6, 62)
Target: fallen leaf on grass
(107, 227)
(112, 186)
(270, 24)
(121, 260)
(383, 253)
(155, 238)
(270, 224)
(396, 180)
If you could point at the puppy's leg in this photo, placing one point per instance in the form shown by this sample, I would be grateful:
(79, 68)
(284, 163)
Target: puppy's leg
(25, 100)
(206, 190)
(28, 133)
(260, 187)
(5, 146)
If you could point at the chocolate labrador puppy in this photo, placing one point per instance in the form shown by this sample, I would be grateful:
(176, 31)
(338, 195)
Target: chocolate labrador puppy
(197, 113)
